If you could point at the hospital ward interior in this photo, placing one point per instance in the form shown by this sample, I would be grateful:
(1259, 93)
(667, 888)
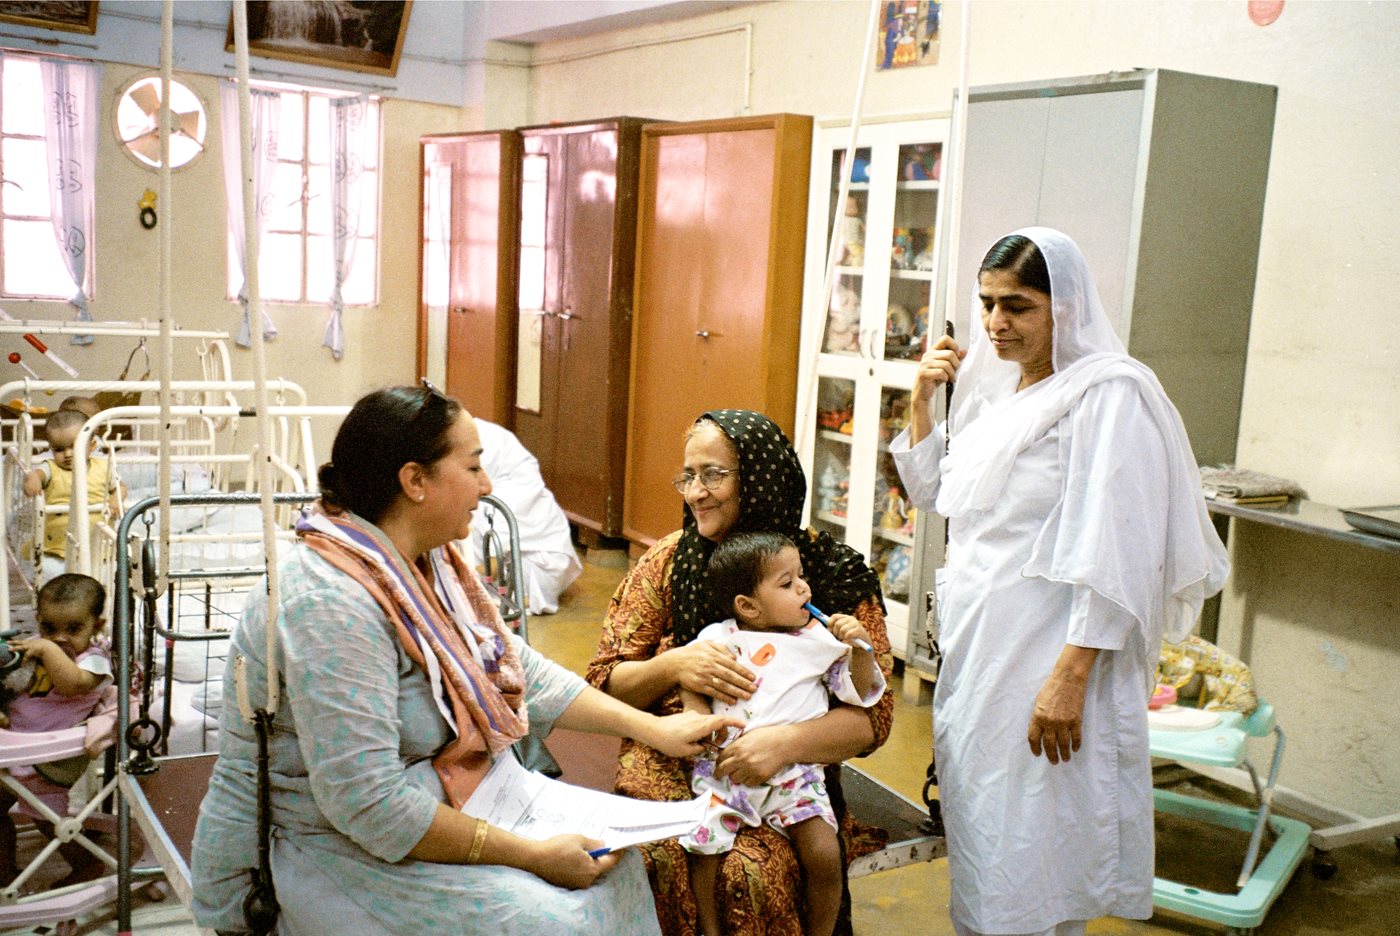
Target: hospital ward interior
(587, 223)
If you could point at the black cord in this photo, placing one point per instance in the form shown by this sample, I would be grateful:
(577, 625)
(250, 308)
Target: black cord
(260, 908)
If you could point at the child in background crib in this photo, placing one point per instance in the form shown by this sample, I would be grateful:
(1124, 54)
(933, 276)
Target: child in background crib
(74, 667)
(55, 479)
(757, 577)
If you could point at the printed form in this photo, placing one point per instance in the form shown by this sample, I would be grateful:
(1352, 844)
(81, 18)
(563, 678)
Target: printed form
(535, 807)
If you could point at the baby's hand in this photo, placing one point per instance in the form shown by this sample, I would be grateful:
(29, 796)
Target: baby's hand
(35, 648)
(848, 630)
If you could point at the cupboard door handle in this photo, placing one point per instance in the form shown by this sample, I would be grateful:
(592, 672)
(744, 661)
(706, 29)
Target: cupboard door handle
(566, 314)
(703, 333)
(460, 310)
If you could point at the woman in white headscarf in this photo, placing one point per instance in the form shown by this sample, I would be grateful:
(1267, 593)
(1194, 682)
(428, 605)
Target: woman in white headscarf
(1078, 537)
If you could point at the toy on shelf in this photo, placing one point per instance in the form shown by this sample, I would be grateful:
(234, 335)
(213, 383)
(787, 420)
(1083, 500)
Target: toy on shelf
(895, 576)
(902, 249)
(899, 332)
(852, 234)
(843, 321)
(896, 511)
(924, 163)
(895, 418)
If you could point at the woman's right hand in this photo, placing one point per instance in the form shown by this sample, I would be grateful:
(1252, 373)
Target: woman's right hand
(938, 366)
(563, 861)
(709, 669)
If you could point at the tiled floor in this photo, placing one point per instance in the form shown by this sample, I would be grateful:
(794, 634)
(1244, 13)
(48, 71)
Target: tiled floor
(1360, 900)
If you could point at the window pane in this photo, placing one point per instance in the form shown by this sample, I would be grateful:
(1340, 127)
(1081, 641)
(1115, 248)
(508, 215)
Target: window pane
(359, 288)
(24, 97)
(372, 128)
(26, 183)
(369, 205)
(279, 267)
(284, 207)
(290, 130)
(318, 269)
(32, 264)
(318, 130)
(318, 205)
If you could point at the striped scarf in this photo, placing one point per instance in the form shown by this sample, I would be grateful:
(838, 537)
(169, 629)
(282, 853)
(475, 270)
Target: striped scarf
(451, 628)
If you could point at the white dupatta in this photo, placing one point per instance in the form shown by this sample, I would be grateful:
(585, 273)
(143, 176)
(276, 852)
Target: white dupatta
(1162, 584)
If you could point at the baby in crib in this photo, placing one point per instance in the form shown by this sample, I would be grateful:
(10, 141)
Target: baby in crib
(55, 478)
(757, 577)
(73, 668)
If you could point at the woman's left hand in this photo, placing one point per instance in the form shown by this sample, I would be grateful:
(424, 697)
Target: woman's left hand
(686, 734)
(1057, 718)
(753, 757)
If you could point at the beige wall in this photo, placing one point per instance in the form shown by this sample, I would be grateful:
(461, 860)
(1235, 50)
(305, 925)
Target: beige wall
(1318, 620)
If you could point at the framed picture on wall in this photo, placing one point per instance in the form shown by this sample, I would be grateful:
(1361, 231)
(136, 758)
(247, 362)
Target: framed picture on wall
(908, 33)
(361, 35)
(78, 16)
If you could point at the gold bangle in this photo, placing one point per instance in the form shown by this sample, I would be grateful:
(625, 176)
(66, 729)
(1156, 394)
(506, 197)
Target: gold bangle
(478, 840)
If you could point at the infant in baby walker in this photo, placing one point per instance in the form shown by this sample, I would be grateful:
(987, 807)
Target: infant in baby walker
(51, 682)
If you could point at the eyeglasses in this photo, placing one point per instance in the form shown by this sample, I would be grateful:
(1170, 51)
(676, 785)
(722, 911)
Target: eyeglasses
(710, 477)
(433, 394)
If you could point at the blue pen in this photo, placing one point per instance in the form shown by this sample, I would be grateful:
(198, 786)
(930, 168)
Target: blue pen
(598, 852)
(826, 620)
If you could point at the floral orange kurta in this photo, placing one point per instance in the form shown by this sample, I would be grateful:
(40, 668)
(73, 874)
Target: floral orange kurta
(760, 881)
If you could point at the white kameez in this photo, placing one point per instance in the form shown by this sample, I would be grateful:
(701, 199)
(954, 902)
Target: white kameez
(546, 542)
(1030, 843)
(1073, 519)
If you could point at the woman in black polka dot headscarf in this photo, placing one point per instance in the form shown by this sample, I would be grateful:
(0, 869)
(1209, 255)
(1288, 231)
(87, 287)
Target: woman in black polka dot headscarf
(739, 473)
(772, 487)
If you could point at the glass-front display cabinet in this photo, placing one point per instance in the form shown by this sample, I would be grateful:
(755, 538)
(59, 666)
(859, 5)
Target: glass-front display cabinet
(863, 341)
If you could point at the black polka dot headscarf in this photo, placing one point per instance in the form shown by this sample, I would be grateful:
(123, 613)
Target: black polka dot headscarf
(772, 487)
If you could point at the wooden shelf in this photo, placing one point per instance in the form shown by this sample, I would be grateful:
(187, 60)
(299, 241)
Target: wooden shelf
(919, 185)
(894, 536)
(912, 275)
(831, 435)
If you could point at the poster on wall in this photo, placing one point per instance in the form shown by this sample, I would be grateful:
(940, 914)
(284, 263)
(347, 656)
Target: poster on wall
(69, 15)
(361, 35)
(908, 34)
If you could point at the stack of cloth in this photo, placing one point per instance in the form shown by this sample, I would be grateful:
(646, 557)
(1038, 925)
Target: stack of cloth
(1233, 485)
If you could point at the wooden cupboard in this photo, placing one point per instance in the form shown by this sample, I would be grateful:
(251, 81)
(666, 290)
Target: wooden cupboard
(467, 268)
(721, 223)
(577, 252)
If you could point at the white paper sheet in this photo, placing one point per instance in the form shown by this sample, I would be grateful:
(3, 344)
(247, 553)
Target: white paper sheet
(535, 807)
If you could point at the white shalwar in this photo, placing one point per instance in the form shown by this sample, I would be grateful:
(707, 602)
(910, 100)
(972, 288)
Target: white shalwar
(1075, 518)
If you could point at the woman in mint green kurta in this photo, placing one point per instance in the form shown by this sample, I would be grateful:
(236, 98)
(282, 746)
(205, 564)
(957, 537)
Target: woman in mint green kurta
(373, 730)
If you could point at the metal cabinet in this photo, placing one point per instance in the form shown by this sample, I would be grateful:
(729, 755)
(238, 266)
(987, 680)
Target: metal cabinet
(1160, 177)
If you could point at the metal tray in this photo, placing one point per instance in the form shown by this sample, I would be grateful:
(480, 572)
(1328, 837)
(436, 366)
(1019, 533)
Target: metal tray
(1382, 521)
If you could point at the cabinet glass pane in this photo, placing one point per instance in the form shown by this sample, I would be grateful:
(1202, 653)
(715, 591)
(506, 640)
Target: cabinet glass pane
(534, 215)
(912, 249)
(842, 334)
(832, 461)
(892, 517)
